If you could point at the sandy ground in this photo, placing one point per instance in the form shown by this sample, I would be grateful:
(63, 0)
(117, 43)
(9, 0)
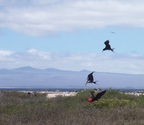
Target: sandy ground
(52, 94)
(134, 93)
(55, 94)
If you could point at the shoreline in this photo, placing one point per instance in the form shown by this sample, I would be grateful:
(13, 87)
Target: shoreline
(52, 93)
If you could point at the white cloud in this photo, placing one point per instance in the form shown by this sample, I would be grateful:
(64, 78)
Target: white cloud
(41, 17)
(36, 53)
(74, 61)
(5, 53)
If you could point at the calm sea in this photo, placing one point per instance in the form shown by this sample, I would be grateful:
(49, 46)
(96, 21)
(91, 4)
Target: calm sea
(40, 89)
(62, 89)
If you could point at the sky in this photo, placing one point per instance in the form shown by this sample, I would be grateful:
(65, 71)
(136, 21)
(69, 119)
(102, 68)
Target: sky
(70, 35)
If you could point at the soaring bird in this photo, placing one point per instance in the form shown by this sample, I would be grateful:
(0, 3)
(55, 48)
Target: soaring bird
(107, 46)
(97, 97)
(90, 79)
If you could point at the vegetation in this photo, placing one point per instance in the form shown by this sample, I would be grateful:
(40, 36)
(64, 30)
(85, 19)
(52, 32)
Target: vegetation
(114, 108)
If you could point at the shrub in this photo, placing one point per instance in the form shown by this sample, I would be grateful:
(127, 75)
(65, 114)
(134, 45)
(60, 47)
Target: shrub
(114, 108)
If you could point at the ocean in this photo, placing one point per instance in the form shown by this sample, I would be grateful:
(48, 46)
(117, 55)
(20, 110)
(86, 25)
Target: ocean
(40, 89)
(62, 89)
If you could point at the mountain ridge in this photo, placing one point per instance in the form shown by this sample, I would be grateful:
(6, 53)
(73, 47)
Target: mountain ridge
(52, 77)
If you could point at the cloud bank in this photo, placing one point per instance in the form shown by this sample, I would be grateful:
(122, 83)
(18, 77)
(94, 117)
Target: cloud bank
(42, 17)
(105, 62)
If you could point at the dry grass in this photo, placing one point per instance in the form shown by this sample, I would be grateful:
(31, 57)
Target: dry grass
(113, 109)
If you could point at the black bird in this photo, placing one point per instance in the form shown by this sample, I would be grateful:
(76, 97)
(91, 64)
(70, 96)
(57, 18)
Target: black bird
(90, 79)
(97, 97)
(112, 32)
(107, 46)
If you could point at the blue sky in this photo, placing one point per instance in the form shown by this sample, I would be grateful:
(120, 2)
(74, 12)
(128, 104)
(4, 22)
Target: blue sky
(70, 34)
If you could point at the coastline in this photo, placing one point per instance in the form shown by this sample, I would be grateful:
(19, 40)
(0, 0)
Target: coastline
(65, 92)
(52, 94)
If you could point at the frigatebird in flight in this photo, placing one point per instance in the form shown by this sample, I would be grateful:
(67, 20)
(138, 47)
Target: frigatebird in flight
(90, 79)
(97, 97)
(107, 46)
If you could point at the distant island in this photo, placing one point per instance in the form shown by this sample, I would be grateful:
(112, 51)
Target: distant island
(56, 78)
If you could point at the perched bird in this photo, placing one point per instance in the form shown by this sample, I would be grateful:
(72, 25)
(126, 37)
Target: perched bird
(97, 97)
(107, 46)
(90, 79)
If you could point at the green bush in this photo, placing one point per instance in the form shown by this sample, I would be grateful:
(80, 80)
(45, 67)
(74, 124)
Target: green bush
(114, 108)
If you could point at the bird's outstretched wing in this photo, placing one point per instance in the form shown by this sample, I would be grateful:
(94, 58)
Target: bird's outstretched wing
(90, 78)
(92, 94)
(99, 95)
(106, 42)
